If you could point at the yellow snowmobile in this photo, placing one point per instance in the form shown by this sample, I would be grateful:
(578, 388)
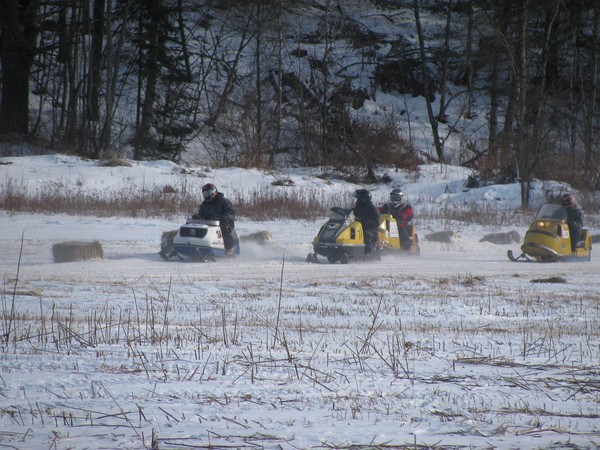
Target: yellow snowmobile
(341, 238)
(548, 239)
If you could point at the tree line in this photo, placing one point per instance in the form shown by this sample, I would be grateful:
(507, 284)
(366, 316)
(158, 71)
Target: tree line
(253, 81)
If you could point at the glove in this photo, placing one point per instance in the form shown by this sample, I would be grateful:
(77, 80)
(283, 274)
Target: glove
(225, 226)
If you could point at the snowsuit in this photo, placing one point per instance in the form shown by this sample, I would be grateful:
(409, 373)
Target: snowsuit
(403, 214)
(575, 222)
(220, 209)
(368, 215)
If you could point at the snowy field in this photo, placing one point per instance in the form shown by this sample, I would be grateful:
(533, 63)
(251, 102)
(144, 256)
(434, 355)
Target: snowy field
(456, 348)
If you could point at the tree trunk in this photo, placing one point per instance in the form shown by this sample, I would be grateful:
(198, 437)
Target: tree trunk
(441, 117)
(71, 62)
(428, 94)
(279, 93)
(469, 58)
(151, 68)
(184, 49)
(324, 97)
(257, 151)
(522, 146)
(593, 90)
(18, 30)
(498, 23)
(93, 97)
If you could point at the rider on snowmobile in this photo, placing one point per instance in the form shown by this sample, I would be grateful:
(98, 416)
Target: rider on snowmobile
(217, 207)
(368, 215)
(402, 211)
(574, 217)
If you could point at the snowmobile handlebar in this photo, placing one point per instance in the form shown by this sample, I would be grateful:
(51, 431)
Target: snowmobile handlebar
(212, 223)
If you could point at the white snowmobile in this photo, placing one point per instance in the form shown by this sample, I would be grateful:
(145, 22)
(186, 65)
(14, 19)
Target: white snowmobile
(196, 240)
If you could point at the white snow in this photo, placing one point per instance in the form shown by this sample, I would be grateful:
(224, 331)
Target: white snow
(456, 348)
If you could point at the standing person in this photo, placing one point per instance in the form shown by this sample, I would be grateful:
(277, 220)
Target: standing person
(368, 215)
(402, 211)
(217, 207)
(574, 217)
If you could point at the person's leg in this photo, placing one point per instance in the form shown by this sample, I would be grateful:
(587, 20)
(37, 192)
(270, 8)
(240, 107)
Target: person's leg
(370, 241)
(367, 242)
(403, 238)
(228, 239)
(574, 232)
(405, 235)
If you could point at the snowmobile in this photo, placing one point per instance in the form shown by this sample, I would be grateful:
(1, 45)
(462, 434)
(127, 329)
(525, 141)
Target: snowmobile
(341, 238)
(548, 239)
(196, 240)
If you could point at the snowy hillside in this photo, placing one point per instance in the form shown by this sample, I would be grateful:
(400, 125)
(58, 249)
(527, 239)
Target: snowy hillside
(455, 348)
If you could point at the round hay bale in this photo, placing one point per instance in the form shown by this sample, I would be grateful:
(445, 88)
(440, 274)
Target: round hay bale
(502, 238)
(166, 241)
(441, 236)
(260, 237)
(77, 251)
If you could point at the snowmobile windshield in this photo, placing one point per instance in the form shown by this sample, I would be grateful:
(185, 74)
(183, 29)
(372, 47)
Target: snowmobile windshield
(338, 213)
(339, 220)
(553, 212)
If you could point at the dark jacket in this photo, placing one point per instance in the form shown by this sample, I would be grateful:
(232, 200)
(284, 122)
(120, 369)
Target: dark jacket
(575, 217)
(367, 214)
(220, 209)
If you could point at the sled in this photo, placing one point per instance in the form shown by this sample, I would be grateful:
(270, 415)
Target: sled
(196, 240)
(548, 239)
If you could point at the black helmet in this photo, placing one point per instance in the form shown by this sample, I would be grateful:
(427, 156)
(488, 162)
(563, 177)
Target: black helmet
(362, 194)
(567, 200)
(397, 196)
(209, 192)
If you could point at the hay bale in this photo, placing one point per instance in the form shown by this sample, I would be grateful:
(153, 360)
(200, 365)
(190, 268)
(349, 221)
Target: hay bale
(260, 237)
(113, 162)
(166, 241)
(77, 251)
(442, 236)
(502, 238)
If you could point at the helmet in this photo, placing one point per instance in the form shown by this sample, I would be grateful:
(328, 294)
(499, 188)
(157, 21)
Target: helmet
(567, 200)
(397, 196)
(209, 192)
(362, 194)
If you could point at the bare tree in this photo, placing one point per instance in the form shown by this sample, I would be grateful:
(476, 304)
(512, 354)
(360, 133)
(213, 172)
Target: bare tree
(18, 31)
(152, 40)
(439, 149)
(521, 145)
(441, 116)
(496, 47)
(114, 51)
(95, 65)
(591, 109)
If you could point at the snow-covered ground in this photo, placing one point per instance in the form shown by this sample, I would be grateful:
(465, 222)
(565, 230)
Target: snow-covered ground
(456, 348)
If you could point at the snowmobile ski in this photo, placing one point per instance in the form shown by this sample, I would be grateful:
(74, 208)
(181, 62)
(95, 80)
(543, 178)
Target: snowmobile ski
(521, 258)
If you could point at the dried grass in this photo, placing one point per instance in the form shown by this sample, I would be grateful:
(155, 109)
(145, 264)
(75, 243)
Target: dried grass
(275, 202)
